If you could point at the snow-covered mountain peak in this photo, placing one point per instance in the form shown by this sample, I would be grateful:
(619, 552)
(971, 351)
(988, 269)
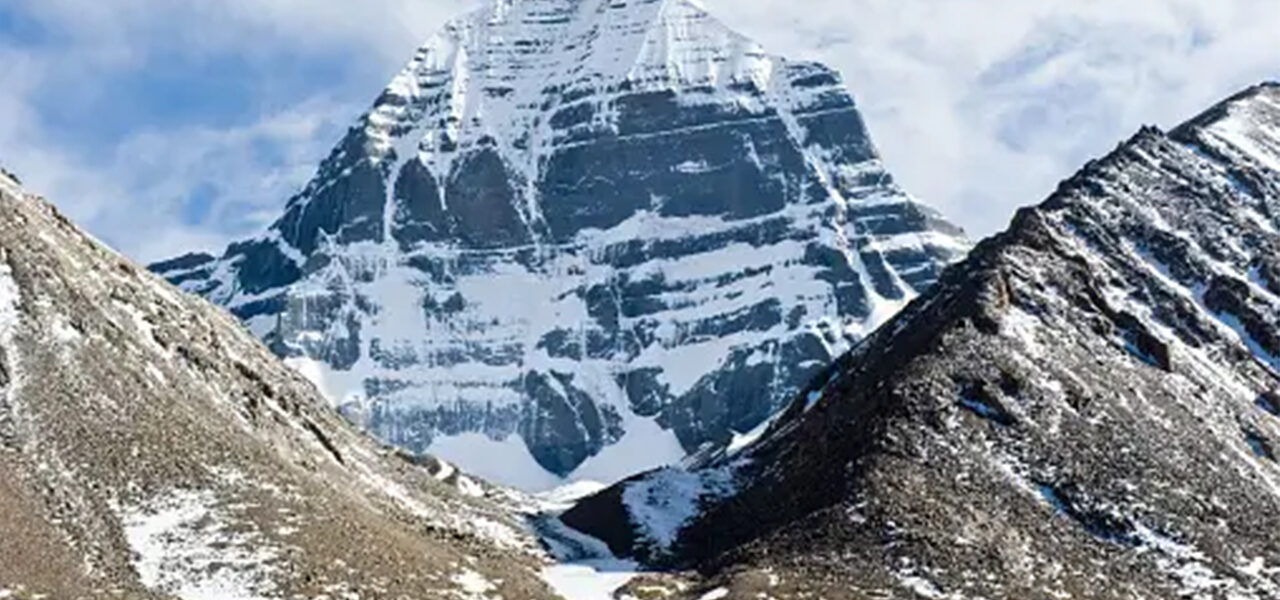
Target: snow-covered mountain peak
(578, 239)
(503, 74)
(655, 44)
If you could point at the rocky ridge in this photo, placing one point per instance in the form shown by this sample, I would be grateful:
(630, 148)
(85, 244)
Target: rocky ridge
(1088, 406)
(150, 447)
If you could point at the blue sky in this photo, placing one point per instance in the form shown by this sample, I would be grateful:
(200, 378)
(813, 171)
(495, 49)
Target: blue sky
(170, 125)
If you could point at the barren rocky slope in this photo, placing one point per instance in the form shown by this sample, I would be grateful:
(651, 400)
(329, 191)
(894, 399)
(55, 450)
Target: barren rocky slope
(1087, 407)
(582, 238)
(150, 447)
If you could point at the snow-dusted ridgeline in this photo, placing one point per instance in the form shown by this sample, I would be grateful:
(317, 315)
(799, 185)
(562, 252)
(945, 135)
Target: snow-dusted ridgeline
(1087, 406)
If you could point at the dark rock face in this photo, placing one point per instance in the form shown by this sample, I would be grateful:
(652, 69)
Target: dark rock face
(1085, 407)
(344, 204)
(420, 214)
(623, 214)
(483, 203)
(557, 409)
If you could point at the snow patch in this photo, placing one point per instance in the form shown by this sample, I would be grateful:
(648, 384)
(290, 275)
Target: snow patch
(920, 586)
(742, 441)
(320, 375)
(594, 580)
(1242, 132)
(644, 445)
(473, 586)
(1017, 324)
(563, 498)
(1254, 347)
(812, 399)
(468, 487)
(664, 502)
(504, 462)
(186, 546)
(10, 316)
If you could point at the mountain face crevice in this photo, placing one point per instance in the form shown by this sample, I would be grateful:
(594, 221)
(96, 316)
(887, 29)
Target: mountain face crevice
(573, 230)
(1084, 407)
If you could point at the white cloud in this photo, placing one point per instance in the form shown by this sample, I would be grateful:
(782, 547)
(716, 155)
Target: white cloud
(135, 196)
(164, 168)
(979, 106)
(133, 192)
(387, 29)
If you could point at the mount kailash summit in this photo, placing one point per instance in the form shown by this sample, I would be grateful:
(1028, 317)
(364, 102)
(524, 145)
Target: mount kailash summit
(594, 234)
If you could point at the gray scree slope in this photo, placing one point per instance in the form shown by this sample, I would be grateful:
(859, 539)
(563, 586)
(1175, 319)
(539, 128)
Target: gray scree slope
(150, 447)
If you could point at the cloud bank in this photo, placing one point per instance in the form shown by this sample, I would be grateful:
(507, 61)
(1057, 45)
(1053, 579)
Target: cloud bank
(170, 125)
